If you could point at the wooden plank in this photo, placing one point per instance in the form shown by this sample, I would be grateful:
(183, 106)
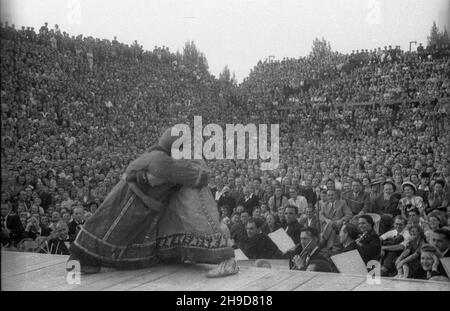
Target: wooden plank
(404, 285)
(331, 281)
(298, 278)
(22, 265)
(85, 280)
(267, 281)
(245, 276)
(279, 264)
(37, 280)
(113, 278)
(187, 278)
(9, 258)
(151, 276)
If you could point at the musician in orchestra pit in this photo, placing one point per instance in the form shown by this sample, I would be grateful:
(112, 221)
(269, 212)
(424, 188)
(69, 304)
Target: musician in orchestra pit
(310, 258)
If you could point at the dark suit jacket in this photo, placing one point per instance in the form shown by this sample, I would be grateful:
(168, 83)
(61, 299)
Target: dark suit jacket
(371, 247)
(294, 230)
(249, 204)
(315, 223)
(58, 247)
(380, 206)
(309, 194)
(359, 203)
(238, 234)
(73, 230)
(260, 246)
(14, 224)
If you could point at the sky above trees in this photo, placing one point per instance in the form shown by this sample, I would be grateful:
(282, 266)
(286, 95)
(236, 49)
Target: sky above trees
(239, 33)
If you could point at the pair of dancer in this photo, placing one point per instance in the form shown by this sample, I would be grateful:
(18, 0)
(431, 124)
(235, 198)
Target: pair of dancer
(161, 211)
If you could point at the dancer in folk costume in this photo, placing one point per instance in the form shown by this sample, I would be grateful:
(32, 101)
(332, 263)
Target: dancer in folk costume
(122, 233)
(190, 229)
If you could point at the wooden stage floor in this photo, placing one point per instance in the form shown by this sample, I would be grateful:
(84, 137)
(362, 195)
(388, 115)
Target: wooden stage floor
(42, 272)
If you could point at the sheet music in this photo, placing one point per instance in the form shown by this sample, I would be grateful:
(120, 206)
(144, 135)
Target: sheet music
(282, 240)
(350, 263)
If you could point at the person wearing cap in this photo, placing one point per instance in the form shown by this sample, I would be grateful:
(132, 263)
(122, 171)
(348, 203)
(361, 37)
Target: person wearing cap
(122, 232)
(410, 199)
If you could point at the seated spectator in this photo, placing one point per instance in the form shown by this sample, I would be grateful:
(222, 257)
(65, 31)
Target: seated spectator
(332, 217)
(310, 219)
(45, 230)
(429, 265)
(271, 224)
(369, 245)
(280, 216)
(434, 223)
(297, 200)
(224, 211)
(277, 200)
(76, 223)
(386, 206)
(250, 200)
(59, 242)
(258, 245)
(292, 227)
(227, 222)
(310, 256)
(441, 239)
(227, 199)
(409, 260)
(393, 244)
(410, 199)
(56, 217)
(238, 230)
(357, 200)
(12, 228)
(347, 238)
(438, 199)
(33, 229)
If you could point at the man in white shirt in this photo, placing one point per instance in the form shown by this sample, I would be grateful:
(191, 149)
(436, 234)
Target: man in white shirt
(393, 244)
(297, 200)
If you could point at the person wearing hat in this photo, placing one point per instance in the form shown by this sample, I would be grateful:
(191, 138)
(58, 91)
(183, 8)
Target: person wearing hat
(410, 199)
(386, 205)
(122, 233)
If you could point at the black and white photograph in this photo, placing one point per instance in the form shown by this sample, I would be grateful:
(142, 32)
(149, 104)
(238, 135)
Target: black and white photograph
(241, 147)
